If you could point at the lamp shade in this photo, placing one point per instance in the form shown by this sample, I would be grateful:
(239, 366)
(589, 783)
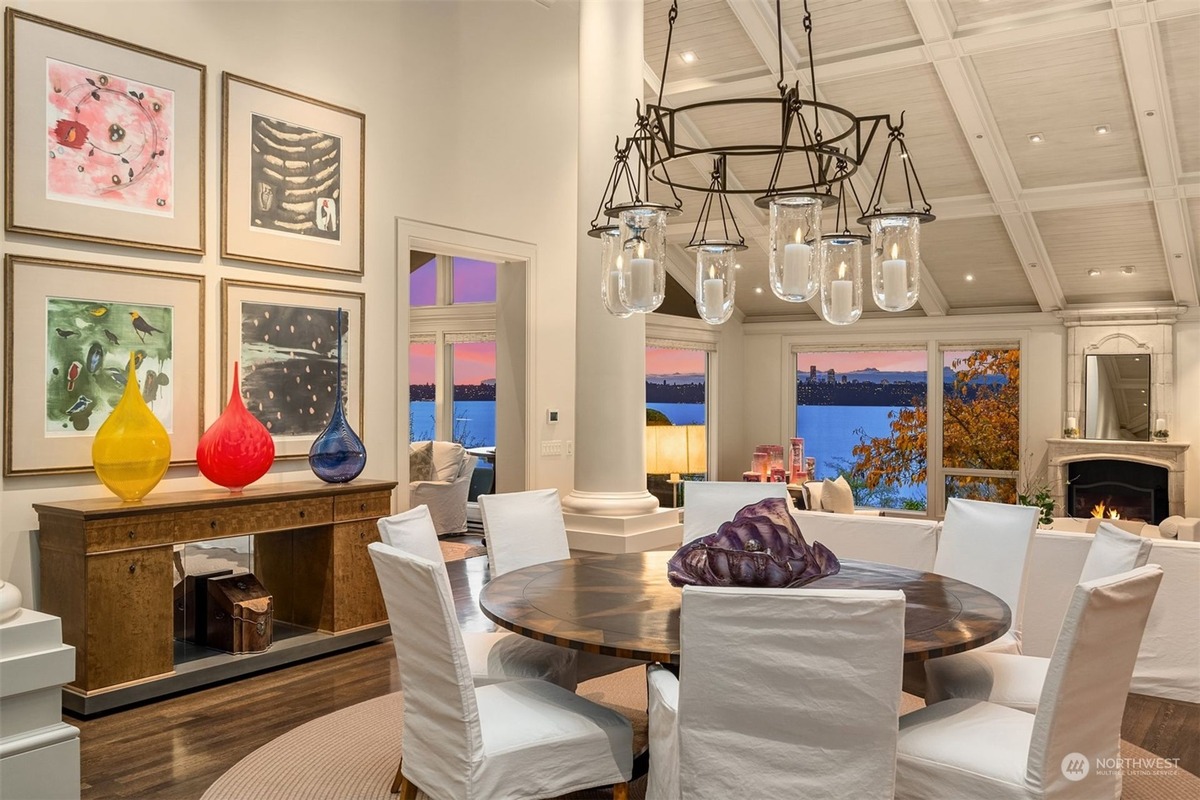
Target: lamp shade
(676, 449)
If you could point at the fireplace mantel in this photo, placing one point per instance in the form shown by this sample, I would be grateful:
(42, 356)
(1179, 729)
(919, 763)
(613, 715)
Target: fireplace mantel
(1061, 452)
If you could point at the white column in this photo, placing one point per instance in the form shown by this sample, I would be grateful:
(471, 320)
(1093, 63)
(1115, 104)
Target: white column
(610, 377)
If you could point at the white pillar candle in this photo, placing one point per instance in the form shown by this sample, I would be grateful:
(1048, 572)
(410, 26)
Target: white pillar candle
(714, 296)
(841, 294)
(641, 282)
(895, 282)
(614, 287)
(1160, 424)
(796, 258)
(1071, 423)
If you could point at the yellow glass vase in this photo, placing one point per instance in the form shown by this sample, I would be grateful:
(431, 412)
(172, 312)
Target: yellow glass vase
(131, 450)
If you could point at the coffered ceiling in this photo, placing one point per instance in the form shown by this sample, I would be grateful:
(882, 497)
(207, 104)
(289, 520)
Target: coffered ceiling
(1021, 226)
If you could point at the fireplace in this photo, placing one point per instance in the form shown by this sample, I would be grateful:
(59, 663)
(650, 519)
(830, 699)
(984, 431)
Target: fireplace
(1117, 488)
(1063, 456)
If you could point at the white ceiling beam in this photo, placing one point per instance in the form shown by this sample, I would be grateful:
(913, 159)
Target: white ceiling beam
(983, 136)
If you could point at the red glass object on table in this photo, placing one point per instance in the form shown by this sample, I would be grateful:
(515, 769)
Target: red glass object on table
(237, 449)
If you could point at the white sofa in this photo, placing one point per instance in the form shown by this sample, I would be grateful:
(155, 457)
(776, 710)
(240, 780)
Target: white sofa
(1168, 663)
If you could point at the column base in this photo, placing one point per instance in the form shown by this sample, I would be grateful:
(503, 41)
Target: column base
(633, 533)
(611, 504)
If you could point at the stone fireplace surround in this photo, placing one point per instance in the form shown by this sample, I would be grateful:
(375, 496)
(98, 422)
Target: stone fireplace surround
(1062, 452)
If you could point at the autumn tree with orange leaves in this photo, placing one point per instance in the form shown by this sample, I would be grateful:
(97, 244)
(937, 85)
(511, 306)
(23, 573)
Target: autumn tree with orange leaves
(980, 430)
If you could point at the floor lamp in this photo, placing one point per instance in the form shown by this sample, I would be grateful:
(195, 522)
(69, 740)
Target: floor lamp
(676, 450)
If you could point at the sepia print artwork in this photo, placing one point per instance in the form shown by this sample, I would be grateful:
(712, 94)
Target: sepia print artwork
(297, 179)
(88, 346)
(110, 140)
(289, 365)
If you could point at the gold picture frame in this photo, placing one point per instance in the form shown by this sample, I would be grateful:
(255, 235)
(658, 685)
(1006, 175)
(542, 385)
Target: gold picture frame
(283, 338)
(68, 334)
(292, 179)
(104, 139)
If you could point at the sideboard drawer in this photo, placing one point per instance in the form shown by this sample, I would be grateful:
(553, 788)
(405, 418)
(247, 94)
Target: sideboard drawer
(256, 518)
(362, 506)
(123, 534)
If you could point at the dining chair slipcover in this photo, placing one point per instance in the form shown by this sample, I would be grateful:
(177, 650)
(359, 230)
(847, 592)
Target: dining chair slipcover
(910, 543)
(517, 739)
(1016, 680)
(527, 528)
(492, 655)
(706, 504)
(964, 749)
(987, 545)
(784, 693)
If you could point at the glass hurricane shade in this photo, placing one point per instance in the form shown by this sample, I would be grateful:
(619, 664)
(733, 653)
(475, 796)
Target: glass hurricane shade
(841, 279)
(716, 266)
(132, 449)
(338, 454)
(895, 261)
(237, 449)
(643, 281)
(795, 235)
(610, 271)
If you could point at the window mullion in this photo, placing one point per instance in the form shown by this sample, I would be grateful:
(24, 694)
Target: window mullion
(935, 488)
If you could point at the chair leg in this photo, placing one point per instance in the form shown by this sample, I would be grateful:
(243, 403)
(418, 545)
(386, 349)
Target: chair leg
(398, 781)
(620, 791)
(408, 789)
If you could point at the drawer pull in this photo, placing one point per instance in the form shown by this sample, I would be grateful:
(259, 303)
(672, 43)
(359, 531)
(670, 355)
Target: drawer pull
(132, 535)
(132, 568)
(362, 534)
(362, 506)
(213, 524)
(301, 515)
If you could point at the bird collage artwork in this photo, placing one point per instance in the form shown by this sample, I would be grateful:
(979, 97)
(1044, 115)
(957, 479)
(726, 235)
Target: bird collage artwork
(89, 344)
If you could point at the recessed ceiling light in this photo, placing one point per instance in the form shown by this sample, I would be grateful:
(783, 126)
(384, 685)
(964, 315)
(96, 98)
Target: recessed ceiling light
(688, 57)
(1128, 269)
(1101, 130)
(758, 290)
(1093, 272)
(1036, 138)
(737, 265)
(968, 277)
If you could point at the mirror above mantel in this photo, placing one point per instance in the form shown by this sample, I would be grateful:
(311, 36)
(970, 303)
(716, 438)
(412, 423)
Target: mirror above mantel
(1116, 397)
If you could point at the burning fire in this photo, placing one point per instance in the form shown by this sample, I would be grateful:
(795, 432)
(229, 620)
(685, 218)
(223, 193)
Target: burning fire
(1113, 514)
(1098, 510)
(1102, 511)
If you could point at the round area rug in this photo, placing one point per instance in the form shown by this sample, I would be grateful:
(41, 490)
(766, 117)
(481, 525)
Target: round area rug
(352, 754)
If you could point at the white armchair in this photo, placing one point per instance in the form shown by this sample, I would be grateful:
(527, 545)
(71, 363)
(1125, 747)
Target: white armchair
(446, 492)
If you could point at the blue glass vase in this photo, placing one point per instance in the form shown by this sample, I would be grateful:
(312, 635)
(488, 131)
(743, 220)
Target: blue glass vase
(338, 455)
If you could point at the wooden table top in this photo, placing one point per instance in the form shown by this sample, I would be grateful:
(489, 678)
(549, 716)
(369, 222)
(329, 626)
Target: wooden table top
(622, 605)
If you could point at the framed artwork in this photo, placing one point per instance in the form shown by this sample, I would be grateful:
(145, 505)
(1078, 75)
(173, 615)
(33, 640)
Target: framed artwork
(70, 330)
(105, 139)
(291, 179)
(285, 341)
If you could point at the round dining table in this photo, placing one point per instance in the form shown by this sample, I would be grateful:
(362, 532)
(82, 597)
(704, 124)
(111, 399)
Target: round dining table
(622, 605)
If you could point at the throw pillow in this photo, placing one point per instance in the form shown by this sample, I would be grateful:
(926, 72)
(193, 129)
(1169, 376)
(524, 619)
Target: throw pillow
(837, 497)
(420, 462)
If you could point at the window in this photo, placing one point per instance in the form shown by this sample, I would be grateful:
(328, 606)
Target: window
(422, 280)
(862, 415)
(676, 419)
(474, 365)
(473, 281)
(422, 395)
(981, 423)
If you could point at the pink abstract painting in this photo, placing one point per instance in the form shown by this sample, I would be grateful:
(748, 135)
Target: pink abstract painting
(110, 140)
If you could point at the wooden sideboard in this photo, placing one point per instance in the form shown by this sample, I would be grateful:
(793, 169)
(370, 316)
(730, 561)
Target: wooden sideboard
(107, 570)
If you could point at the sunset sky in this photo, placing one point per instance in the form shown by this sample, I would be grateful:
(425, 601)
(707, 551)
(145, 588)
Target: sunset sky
(474, 282)
(883, 360)
(669, 361)
(474, 362)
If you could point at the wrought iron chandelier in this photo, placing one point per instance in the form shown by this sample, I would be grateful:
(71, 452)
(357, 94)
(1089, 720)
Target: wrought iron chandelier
(819, 148)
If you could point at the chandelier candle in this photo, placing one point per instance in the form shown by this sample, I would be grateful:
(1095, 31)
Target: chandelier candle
(840, 292)
(641, 289)
(895, 281)
(714, 293)
(796, 258)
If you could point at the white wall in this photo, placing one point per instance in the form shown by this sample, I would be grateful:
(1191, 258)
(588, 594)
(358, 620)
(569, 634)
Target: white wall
(471, 122)
(1186, 425)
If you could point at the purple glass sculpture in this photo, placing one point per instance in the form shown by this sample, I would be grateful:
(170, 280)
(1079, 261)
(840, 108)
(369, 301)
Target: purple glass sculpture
(761, 546)
(338, 454)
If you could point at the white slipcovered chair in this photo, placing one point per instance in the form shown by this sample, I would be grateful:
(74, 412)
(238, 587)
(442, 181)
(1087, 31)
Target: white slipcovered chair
(783, 693)
(491, 655)
(503, 741)
(446, 493)
(706, 504)
(974, 750)
(1015, 680)
(987, 545)
(527, 528)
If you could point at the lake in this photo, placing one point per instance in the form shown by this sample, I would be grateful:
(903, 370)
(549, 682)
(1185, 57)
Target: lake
(829, 434)
(474, 421)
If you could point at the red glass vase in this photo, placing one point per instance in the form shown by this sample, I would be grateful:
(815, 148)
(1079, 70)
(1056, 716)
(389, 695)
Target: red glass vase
(237, 449)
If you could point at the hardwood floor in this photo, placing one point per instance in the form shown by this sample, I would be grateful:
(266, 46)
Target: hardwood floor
(175, 748)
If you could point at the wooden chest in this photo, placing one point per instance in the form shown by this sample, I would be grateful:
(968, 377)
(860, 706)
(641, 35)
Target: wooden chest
(239, 614)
